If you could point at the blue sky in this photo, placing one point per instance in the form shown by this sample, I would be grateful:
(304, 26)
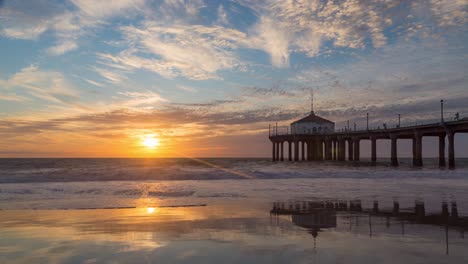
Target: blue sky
(81, 76)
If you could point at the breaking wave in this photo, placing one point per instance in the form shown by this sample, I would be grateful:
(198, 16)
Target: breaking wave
(83, 170)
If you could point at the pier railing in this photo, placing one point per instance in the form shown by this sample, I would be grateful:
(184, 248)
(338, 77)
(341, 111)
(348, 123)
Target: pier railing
(283, 130)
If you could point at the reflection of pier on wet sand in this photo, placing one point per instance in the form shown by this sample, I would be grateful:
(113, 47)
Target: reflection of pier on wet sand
(317, 215)
(417, 215)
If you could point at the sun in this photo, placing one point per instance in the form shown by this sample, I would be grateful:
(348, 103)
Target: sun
(150, 141)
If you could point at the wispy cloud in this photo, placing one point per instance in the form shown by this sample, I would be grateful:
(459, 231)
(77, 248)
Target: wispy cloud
(99, 10)
(93, 82)
(223, 18)
(30, 19)
(148, 99)
(12, 97)
(110, 75)
(187, 88)
(195, 52)
(48, 85)
(63, 47)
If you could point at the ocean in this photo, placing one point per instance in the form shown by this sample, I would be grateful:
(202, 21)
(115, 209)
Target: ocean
(252, 210)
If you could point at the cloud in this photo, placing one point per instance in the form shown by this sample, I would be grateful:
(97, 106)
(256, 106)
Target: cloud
(193, 51)
(306, 26)
(402, 75)
(47, 85)
(63, 47)
(181, 47)
(163, 119)
(30, 19)
(450, 13)
(102, 9)
(142, 99)
(186, 88)
(27, 19)
(93, 82)
(28, 33)
(282, 28)
(422, 111)
(110, 75)
(272, 91)
(274, 39)
(207, 104)
(302, 26)
(222, 16)
(12, 97)
(182, 10)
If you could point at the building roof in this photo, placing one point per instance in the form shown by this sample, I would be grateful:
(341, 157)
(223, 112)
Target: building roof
(313, 118)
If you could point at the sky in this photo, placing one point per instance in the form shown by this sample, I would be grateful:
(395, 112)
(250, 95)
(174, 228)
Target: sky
(85, 78)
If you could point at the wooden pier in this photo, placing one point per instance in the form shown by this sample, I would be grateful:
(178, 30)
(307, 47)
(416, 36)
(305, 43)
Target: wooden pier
(335, 145)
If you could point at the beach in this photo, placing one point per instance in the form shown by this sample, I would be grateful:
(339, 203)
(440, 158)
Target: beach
(269, 217)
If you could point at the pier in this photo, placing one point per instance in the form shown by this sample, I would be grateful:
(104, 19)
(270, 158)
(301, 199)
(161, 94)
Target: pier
(322, 145)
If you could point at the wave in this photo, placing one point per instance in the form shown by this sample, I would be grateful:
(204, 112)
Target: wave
(171, 194)
(222, 195)
(84, 170)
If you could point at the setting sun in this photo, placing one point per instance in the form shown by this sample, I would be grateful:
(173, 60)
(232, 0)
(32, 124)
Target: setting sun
(150, 141)
(150, 210)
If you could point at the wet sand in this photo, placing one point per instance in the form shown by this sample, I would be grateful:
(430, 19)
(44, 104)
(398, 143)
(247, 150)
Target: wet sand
(237, 231)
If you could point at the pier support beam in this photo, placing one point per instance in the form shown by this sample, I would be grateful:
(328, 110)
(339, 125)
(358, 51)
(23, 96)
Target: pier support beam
(277, 151)
(289, 151)
(341, 150)
(281, 151)
(356, 147)
(338, 149)
(442, 150)
(309, 150)
(296, 150)
(319, 149)
(417, 148)
(313, 151)
(451, 149)
(328, 150)
(373, 150)
(273, 152)
(350, 150)
(303, 150)
(322, 148)
(334, 150)
(394, 151)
